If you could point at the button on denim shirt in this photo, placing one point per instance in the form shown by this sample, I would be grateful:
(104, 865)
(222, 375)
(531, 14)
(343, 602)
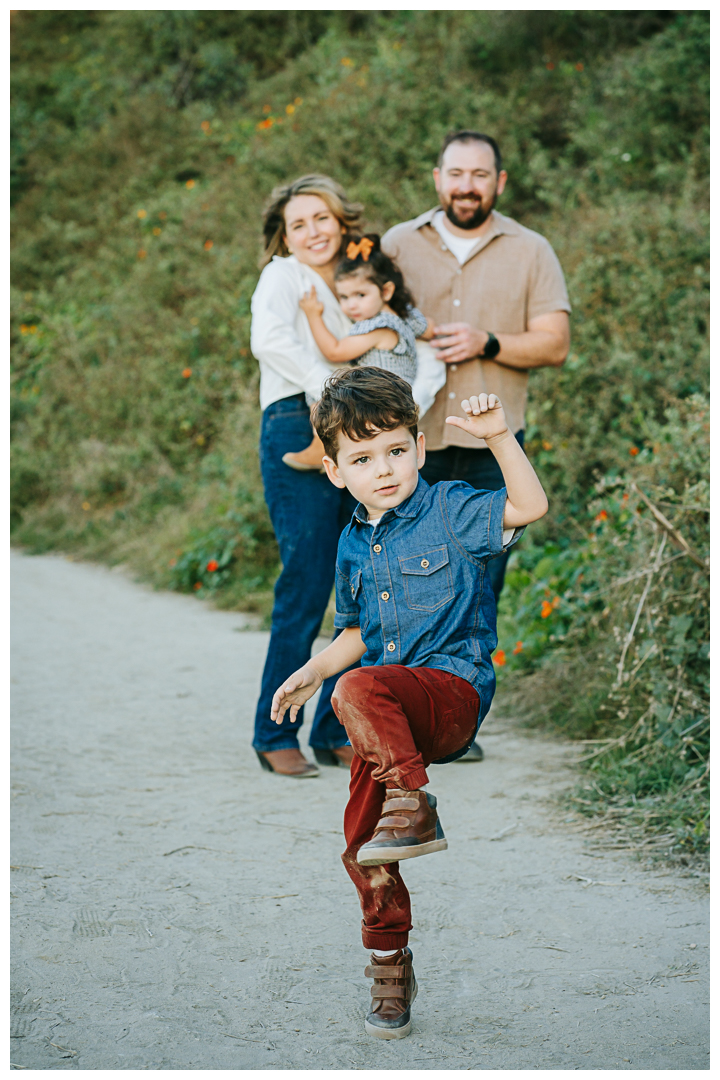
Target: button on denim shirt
(417, 584)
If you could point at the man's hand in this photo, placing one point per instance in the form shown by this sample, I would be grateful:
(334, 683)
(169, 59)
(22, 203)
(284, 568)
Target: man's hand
(294, 692)
(458, 341)
(545, 343)
(486, 417)
(310, 303)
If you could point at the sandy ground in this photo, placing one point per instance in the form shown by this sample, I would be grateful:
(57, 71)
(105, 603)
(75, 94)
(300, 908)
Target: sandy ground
(177, 908)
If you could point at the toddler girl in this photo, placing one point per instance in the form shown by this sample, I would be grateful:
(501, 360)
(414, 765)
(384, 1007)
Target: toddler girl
(372, 293)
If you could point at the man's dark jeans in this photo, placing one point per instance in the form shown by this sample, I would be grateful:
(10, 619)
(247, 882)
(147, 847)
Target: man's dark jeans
(479, 469)
(308, 514)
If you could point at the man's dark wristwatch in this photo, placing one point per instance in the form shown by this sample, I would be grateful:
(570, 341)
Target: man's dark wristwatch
(492, 347)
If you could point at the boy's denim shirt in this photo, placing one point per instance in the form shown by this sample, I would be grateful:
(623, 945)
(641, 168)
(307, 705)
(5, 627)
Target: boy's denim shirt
(417, 585)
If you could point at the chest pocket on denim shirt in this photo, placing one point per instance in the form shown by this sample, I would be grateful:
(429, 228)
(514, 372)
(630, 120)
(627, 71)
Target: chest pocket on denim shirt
(355, 591)
(427, 579)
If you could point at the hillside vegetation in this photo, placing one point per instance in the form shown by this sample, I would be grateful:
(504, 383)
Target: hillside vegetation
(143, 147)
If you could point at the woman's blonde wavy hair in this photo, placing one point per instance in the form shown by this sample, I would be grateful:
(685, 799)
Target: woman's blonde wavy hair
(348, 213)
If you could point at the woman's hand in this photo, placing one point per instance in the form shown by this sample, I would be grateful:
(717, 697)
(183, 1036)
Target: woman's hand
(485, 417)
(310, 303)
(294, 692)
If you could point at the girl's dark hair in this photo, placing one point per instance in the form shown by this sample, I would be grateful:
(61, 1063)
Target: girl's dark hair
(378, 268)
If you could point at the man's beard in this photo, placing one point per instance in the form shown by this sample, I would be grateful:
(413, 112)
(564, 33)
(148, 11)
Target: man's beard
(475, 220)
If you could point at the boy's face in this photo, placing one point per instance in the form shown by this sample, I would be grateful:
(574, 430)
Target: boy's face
(380, 472)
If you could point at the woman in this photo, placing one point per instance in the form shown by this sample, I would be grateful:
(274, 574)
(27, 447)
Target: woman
(304, 228)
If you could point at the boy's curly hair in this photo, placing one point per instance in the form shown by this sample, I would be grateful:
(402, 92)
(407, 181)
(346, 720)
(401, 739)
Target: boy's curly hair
(376, 267)
(361, 402)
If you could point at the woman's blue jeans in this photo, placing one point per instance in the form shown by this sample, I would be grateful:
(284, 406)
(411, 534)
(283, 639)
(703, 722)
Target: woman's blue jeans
(308, 514)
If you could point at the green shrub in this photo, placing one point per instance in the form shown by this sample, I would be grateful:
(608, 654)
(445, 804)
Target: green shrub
(606, 634)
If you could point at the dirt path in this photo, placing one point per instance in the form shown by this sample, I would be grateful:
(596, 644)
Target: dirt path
(177, 908)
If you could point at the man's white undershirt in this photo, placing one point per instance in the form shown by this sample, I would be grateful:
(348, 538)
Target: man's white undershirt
(460, 246)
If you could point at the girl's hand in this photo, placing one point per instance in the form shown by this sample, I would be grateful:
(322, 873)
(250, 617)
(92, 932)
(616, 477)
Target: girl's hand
(485, 417)
(294, 692)
(310, 303)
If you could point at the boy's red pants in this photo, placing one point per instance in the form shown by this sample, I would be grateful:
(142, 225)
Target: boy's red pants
(398, 720)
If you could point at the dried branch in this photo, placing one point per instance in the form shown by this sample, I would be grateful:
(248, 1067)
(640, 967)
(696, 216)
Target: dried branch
(672, 532)
(631, 631)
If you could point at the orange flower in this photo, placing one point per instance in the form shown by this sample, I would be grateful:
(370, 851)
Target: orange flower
(197, 585)
(634, 451)
(602, 516)
(499, 658)
(206, 126)
(173, 562)
(550, 66)
(212, 566)
(86, 506)
(187, 372)
(32, 329)
(265, 124)
(546, 445)
(289, 109)
(142, 253)
(546, 609)
(518, 648)
(347, 62)
(208, 244)
(579, 67)
(23, 328)
(298, 101)
(267, 108)
(157, 230)
(189, 183)
(556, 601)
(142, 213)
(625, 497)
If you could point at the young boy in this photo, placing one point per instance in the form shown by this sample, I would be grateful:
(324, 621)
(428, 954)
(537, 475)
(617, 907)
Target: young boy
(414, 601)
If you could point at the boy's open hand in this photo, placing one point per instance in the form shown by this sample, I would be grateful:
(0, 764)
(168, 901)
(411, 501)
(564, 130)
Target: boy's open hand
(485, 417)
(294, 692)
(310, 303)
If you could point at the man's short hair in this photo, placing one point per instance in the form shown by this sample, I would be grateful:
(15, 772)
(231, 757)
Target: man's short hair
(361, 402)
(467, 137)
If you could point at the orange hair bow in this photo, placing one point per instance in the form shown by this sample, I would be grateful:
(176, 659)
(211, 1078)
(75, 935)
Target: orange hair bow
(364, 247)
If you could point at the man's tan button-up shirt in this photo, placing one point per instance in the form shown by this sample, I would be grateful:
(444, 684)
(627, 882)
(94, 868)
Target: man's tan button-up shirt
(512, 276)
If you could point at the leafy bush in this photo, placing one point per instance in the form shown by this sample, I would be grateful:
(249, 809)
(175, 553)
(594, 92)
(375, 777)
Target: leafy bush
(609, 629)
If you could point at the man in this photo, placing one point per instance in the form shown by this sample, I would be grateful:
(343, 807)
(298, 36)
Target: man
(496, 291)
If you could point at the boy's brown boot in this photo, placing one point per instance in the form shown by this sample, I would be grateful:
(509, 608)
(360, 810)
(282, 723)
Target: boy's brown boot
(409, 826)
(393, 992)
